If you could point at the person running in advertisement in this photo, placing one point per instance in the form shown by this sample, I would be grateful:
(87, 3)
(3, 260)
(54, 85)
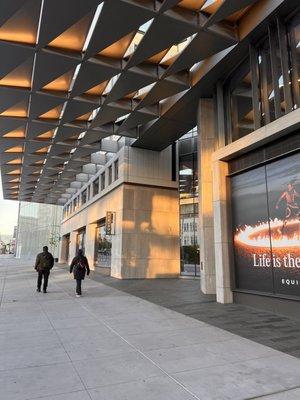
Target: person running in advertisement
(292, 208)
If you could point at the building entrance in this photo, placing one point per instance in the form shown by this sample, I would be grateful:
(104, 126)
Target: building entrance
(188, 200)
(80, 242)
(67, 247)
(102, 247)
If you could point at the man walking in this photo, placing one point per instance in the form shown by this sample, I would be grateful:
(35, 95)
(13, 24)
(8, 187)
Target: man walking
(79, 267)
(44, 263)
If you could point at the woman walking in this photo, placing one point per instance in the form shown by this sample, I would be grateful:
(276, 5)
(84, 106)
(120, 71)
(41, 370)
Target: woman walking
(79, 267)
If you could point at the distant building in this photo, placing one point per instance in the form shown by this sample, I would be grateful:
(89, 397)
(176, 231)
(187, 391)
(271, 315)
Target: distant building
(38, 226)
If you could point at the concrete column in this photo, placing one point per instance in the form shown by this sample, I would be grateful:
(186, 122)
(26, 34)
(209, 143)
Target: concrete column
(72, 248)
(146, 244)
(90, 236)
(222, 233)
(206, 147)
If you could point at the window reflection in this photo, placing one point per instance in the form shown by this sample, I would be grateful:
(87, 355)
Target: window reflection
(102, 247)
(110, 175)
(84, 197)
(188, 197)
(96, 187)
(242, 117)
(102, 181)
(80, 241)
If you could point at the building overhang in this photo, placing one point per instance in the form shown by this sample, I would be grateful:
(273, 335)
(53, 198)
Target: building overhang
(76, 76)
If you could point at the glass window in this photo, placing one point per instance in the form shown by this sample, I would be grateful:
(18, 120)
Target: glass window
(294, 43)
(80, 243)
(84, 196)
(96, 187)
(266, 85)
(110, 174)
(241, 106)
(188, 197)
(76, 203)
(116, 169)
(266, 238)
(103, 181)
(102, 247)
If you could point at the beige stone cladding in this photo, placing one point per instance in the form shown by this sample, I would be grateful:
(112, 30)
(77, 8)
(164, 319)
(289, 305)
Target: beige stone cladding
(150, 242)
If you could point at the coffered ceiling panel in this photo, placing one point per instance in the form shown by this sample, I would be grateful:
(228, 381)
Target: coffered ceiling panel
(93, 73)
(59, 15)
(13, 55)
(42, 102)
(50, 65)
(75, 72)
(118, 18)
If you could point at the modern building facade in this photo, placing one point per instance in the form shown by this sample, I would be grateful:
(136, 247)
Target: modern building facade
(102, 132)
(137, 189)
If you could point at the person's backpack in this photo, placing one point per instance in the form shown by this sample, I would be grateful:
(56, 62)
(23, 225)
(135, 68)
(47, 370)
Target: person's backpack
(44, 262)
(81, 264)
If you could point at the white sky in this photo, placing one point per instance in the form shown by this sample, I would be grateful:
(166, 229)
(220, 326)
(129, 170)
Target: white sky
(8, 214)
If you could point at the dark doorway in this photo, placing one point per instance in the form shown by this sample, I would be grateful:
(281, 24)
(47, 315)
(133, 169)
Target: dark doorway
(102, 246)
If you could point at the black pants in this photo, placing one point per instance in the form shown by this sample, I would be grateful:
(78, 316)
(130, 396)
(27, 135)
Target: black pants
(41, 275)
(78, 286)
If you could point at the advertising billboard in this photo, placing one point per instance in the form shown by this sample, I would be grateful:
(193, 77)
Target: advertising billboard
(266, 227)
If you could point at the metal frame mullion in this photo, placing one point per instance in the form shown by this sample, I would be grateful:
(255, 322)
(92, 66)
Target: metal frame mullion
(228, 122)
(284, 66)
(295, 68)
(220, 114)
(255, 87)
(275, 72)
(235, 119)
(264, 87)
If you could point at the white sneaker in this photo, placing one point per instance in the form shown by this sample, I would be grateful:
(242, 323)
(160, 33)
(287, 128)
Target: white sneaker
(78, 295)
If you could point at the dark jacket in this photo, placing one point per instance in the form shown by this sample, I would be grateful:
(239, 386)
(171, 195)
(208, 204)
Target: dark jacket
(44, 261)
(76, 267)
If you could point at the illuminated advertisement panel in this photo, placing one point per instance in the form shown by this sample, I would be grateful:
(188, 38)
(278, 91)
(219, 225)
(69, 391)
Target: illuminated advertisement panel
(266, 227)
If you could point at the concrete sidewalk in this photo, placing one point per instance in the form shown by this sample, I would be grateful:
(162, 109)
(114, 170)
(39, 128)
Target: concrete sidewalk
(110, 345)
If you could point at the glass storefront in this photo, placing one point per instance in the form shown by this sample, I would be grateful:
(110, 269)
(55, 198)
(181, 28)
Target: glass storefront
(80, 243)
(188, 197)
(266, 227)
(102, 247)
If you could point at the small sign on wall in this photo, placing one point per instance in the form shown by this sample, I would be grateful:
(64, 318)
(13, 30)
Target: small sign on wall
(110, 223)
